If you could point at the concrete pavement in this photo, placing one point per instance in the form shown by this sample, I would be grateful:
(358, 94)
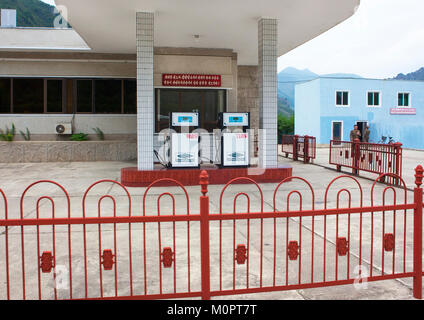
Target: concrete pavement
(77, 177)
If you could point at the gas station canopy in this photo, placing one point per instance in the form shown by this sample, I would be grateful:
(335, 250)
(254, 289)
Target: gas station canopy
(109, 26)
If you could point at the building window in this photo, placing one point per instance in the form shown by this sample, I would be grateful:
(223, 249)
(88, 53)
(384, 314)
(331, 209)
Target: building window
(214, 102)
(84, 92)
(28, 95)
(5, 85)
(337, 130)
(54, 96)
(108, 96)
(130, 96)
(49, 95)
(403, 99)
(373, 99)
(209, 103)
(342, 98)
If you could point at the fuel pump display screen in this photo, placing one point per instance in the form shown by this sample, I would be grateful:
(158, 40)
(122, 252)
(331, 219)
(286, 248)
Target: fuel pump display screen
(185, 149)
(185, 119)
(235, 119)
(235, 149)
(182, 119)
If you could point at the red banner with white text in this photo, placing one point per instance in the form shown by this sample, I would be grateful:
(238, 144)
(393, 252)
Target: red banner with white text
(191, 80)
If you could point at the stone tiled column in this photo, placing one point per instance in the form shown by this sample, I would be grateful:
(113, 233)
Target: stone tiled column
(267, 72)
(145, 94)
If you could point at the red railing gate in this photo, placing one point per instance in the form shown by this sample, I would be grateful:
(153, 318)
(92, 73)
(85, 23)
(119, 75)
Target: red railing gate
(288, 247)
(368, 157)
(303, 147)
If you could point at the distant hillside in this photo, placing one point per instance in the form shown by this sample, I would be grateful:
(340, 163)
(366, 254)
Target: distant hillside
(284, 107)
(31, 13)
(287, 79)
(417, 75)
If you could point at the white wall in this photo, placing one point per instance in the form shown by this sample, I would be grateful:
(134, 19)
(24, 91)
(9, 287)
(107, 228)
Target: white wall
(46, 124)
(41, 39)
(307, 109)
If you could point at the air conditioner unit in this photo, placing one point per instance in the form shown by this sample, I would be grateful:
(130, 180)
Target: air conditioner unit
(64, 128)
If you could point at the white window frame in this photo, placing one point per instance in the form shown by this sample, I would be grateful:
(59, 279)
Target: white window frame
(332, 131)
(342, 105)
(410, 99)
(380, 98)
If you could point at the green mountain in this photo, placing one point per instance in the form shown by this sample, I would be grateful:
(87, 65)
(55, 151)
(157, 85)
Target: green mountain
(287, 79)
(284, 106)
(31, 13)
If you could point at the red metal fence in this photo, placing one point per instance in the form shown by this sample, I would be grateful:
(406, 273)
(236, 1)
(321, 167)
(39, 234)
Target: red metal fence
(369, 157)
(245, 247)
(303, 147)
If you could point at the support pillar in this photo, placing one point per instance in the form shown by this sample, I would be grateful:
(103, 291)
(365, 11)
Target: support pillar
(267, 69)
(145, 91)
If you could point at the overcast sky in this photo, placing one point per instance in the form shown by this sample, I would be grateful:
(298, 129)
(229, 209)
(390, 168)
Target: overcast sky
(383, 38)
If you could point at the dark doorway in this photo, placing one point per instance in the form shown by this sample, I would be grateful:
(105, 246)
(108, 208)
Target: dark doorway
(361, 127)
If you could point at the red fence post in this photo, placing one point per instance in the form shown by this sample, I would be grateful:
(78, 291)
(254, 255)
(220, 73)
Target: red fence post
(204, 235)
(398, 159)
(418, 234)
(306, 149)
(356, 155)
(282, 143)
(295, 147)
(283, 140)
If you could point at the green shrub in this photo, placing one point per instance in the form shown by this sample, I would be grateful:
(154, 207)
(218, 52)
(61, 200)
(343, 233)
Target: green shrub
(79, 137)
(285, 125)
(26, 135)
(8, 134)
(99, 133)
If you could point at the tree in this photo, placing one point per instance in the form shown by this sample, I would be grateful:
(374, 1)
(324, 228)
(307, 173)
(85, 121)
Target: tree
(285, 125)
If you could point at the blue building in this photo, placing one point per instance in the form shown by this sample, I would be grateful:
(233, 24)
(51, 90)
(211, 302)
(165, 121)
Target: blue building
(328, 108)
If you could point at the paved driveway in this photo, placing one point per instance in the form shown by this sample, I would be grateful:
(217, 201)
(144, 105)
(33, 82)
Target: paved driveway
(77, 177)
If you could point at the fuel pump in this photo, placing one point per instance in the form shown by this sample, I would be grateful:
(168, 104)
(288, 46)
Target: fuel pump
(184, 142)
(234, 145)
